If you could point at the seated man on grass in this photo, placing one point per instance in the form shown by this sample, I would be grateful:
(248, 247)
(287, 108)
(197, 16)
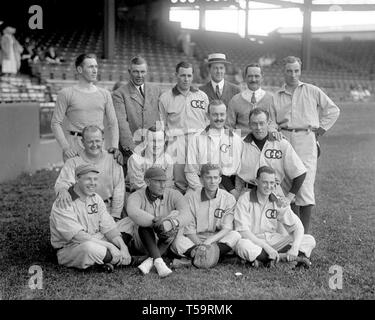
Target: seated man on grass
(212, 209)
(84, 233)
(257, 216)
(149, 208)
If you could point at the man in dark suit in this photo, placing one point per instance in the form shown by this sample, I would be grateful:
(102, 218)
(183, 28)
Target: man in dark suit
(218, 88)
(136, 106)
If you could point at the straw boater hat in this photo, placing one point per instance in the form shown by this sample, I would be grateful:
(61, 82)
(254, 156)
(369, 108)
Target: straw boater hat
(217, 58)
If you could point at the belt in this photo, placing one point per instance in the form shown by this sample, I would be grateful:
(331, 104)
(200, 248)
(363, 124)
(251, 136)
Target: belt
(108, 200)
(75, 133)
(298, 129)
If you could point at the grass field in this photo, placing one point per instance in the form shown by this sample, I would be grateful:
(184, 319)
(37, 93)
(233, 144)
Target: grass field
(343, 226)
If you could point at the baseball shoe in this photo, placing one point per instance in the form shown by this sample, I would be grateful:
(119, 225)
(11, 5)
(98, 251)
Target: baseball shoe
(137, 260)
(162, 268)
(107, 267)
(181, 263)
(306, 264)
(146, 265)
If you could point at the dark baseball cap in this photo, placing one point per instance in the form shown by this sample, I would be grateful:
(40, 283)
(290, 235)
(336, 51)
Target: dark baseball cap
(155, 173)
(85, 168)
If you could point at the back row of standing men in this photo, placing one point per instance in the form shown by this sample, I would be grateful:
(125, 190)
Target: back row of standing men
(193, 122)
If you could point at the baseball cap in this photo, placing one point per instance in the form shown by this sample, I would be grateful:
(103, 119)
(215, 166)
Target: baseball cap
(155, 173)
(86, 168)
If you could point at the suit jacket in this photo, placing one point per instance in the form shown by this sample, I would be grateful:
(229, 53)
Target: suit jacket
(229, 90)
(135, 112)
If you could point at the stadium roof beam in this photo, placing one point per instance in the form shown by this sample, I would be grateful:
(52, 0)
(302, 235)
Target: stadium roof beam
(284, 4)
(343, 7)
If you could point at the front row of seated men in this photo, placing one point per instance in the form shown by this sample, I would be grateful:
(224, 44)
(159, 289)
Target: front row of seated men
(84, 234)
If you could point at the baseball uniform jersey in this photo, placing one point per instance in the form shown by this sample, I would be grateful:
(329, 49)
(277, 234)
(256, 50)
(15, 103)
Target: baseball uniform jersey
(87, 217)
(223, 149)
(111, 185)
(278, 155)
(209, 216)
(262, 220)
(137, 166)
(308, 108)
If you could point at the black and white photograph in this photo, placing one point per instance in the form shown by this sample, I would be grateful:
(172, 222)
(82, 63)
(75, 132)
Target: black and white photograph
(187, 156)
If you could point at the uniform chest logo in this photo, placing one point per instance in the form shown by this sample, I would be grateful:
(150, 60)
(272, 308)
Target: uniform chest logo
(197, 104)
(224, 147)
(93, 208)
(273, 154)
(219, 213)
(271, 214)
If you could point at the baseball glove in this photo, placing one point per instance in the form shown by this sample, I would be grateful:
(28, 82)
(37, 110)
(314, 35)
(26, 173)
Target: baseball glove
(206, 256)
(165, 228)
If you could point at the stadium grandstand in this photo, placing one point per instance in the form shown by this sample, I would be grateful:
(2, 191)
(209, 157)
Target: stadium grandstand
(118, 30)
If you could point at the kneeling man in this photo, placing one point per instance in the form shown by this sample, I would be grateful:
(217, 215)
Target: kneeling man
(212, 210)
(84, 233)
(257, 216)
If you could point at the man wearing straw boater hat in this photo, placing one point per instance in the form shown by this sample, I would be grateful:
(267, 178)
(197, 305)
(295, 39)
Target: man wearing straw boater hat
(218, 88)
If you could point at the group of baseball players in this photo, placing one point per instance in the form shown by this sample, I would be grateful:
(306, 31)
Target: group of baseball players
(188, 176)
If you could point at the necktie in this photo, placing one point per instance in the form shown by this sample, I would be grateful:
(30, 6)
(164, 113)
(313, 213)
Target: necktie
(142, 93)
(218, 91)
(253, 100)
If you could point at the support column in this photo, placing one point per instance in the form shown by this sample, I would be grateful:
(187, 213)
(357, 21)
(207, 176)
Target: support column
(202, 17)
(109, 29)
(247, 19)
(306, 36)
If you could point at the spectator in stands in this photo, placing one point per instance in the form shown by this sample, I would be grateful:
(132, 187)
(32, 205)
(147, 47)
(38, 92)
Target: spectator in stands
(111, 184)
(152, 155)
(52, 57)
(253, 97)
(38, 55)
(304, 113)
(136, 107)
(84, 104)
(366, 93)
(218, 88)
(27, 53)
(11, 52)
(184, 112)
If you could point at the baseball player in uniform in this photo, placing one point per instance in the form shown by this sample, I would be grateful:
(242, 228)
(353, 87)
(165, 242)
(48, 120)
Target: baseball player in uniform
(216, 145)
(82, 105)
(152, 154)
(111, 185)
(184, 113)
(303, 113)
(146, 207)
(84, 233)
(256, 218)
(212, 210)
(260, 148)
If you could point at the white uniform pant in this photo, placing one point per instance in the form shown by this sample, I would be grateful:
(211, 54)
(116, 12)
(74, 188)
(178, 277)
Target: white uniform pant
(82, 255)
(304, 143)
(248, 250)
(183, 243)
